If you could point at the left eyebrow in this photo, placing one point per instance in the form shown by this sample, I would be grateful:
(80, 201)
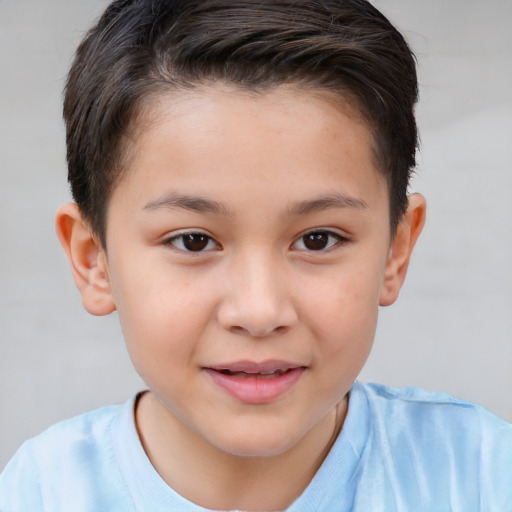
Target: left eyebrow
(337, 200)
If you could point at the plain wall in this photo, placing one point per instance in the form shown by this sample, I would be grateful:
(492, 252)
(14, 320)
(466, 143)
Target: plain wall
(450, 330)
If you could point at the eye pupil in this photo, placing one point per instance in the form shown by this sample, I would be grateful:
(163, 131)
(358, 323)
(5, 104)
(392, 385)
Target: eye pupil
(316, 241)
(195, 241)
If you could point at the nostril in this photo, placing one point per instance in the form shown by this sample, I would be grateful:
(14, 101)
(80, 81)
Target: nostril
(236, 329)
(258, 333)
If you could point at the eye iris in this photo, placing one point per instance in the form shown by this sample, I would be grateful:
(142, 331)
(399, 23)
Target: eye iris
(316, 241)
(195, 241)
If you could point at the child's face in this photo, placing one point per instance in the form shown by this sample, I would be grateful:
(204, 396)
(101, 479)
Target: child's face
(247, 255)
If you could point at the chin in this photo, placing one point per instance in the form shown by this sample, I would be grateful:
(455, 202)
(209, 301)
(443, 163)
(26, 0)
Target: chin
(255, 442)
(251, 449)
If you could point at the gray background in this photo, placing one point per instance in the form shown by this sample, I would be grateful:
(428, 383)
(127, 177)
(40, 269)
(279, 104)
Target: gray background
(452, 326)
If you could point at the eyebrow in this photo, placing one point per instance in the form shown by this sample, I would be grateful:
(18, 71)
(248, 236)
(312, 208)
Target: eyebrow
(336, 200)
(187, 202)
(203, 205)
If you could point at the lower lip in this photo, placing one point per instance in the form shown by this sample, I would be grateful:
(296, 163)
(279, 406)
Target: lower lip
(257, 389)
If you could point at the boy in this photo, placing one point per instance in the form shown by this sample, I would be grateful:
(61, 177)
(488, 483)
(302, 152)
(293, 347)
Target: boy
(240, 173)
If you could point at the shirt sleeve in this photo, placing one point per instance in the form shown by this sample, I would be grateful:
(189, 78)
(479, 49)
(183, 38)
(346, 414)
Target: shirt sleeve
(20, 489)
(496, 464)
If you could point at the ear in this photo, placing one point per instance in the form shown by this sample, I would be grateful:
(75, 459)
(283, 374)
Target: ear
(408, 231)
(87, 260)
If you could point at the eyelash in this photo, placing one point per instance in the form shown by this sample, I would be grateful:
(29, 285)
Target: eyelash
(331, 238)
(178, 242)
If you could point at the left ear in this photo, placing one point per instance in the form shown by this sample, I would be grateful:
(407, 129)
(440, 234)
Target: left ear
(408, 231)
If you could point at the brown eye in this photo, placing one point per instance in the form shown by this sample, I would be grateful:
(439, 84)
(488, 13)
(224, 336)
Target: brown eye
(193, 242)
(318, 241)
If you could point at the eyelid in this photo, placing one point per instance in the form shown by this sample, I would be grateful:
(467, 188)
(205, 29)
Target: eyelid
(172, 237)
(341, 239)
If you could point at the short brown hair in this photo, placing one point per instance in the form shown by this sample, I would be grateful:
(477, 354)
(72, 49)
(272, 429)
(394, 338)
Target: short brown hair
(141, 47)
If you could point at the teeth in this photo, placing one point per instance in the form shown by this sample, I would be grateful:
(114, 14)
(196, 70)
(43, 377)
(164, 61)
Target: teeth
(241, 374)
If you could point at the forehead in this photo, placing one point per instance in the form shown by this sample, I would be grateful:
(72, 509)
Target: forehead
(215, 136)
(218, 103)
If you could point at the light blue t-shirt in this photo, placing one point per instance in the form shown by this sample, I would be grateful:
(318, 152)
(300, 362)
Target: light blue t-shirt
(399, 451)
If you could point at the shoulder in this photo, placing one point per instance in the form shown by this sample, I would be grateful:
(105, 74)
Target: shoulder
(71, 440)
(424, 411)
(60, 463)
(442, 439)
(410, 394)
(423, 407)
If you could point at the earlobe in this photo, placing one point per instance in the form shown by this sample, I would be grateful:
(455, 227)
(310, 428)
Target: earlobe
(87, 260)
(400, 252)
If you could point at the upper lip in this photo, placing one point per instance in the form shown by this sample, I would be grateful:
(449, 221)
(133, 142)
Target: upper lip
(256, 367)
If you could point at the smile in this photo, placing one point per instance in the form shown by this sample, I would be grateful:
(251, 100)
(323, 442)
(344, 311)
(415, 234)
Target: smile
(245, 375)
(254, 383)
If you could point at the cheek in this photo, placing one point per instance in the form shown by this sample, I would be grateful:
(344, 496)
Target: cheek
(161, 316)
(343, 313)
(161, 340)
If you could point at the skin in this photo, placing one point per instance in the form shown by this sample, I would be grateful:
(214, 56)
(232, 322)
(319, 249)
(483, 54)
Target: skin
(268, 169)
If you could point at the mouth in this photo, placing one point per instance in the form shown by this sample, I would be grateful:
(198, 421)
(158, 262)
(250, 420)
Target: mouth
(256, 383)
(272, 374)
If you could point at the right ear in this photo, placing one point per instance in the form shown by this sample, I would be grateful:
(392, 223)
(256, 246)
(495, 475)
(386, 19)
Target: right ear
(87, 260)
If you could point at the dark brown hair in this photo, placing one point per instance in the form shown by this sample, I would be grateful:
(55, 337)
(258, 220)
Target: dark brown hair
(142, 47)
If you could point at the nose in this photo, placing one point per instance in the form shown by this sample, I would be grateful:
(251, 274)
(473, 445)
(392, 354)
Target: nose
(257, 300)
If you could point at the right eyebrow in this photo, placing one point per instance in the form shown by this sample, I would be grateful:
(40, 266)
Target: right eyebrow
(187, 202)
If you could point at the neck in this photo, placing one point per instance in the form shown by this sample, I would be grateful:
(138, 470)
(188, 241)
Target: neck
(227, 481)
